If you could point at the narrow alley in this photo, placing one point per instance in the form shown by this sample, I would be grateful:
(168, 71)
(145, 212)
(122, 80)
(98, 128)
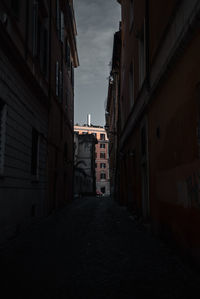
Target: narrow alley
(94, 248)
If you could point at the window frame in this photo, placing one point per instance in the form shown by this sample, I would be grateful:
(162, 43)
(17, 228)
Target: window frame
(102, 165)
(103, 176)
(102, 156)
(102, 136)
(101, 145)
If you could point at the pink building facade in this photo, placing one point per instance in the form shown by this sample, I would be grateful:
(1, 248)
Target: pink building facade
(102, 156)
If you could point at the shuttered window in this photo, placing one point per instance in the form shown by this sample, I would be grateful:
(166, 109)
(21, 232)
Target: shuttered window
(62, 29)
(3, 114)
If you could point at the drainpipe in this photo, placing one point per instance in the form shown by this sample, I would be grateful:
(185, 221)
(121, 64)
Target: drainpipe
(49, 203)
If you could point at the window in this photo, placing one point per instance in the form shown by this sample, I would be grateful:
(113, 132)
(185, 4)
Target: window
(142, 57)
(95, 155)
(103, 190)
(35, 153)
(94, 134)
(102, 136)
(3, 115)
(131, 86)
(102, 145)
(40, 38)
(102, 155)
(103, 176)
(95, 165)
(62, 27)
(102, 165)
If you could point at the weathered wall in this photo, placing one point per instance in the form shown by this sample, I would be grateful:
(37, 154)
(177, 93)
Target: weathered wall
(174, 156)
(21, 195)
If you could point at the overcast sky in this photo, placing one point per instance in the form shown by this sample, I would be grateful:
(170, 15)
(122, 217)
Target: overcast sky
(97, 21)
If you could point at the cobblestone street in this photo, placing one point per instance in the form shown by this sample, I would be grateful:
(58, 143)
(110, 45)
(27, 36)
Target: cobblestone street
(94, 249)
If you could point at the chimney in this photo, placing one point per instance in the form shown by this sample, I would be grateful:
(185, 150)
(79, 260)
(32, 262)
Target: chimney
(89, 120)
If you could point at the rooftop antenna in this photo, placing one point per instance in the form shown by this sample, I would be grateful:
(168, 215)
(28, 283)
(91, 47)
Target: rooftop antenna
(89, 120)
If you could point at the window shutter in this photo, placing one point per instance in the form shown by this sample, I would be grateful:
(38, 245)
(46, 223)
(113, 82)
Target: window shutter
(35, 27)
(3, 115)
(57, 79)
(62, 31)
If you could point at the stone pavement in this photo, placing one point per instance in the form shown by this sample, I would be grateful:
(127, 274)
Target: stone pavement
(94, 249)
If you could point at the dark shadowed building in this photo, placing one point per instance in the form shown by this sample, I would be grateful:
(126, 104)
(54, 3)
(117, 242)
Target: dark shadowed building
(84, 164)
(37, 58)
(159, 117)
(101, 156)
(113, 115)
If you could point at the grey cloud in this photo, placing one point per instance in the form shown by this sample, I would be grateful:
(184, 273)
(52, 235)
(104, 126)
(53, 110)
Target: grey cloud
(96, 23)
